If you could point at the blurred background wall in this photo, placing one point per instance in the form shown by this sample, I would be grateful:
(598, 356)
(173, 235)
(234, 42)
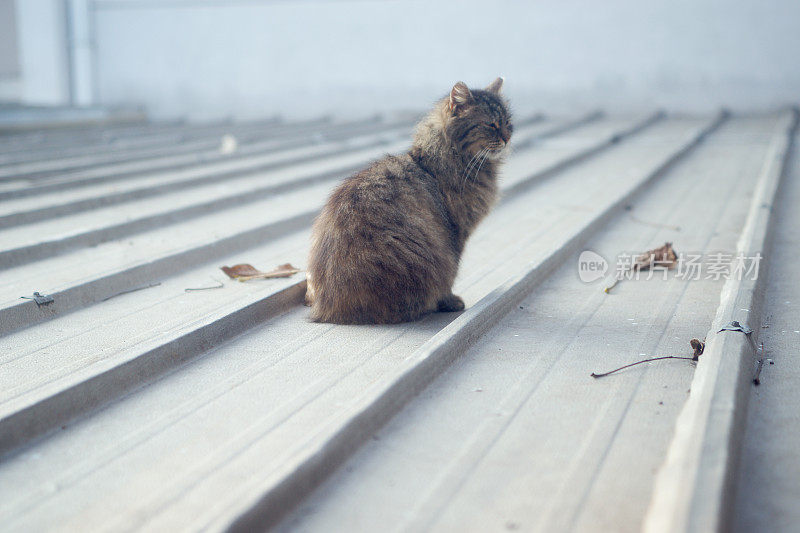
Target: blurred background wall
(247, 58)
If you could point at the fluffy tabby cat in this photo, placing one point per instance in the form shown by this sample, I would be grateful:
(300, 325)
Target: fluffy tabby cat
(387, 244)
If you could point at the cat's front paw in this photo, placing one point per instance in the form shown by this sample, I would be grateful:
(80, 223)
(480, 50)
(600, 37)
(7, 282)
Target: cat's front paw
(451, 303)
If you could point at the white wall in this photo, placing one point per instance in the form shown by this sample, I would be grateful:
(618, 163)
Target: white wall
(9, 55)
(9, 60)
(314, 56)
(210, 58)
(41, 39)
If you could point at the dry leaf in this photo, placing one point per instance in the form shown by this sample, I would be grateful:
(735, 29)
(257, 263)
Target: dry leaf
(240, 270)
(698, 346)
(245, 272)
(664, 256)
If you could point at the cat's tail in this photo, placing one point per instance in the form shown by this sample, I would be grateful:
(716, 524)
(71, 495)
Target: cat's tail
(309, 298)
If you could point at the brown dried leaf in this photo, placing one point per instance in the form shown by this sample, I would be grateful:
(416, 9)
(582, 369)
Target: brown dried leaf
(240, 270)
(245, 272)
(698, 346)
(664, 256)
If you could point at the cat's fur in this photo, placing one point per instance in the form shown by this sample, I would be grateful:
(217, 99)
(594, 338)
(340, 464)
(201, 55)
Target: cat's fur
(387, 244)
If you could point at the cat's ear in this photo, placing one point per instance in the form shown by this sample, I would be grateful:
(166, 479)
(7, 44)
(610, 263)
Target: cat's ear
(459, 96)
(496, 85)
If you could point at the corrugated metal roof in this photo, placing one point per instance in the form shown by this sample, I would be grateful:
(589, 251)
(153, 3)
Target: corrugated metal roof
(130, 402)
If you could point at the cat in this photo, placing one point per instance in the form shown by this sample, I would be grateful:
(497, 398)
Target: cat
(386, 246)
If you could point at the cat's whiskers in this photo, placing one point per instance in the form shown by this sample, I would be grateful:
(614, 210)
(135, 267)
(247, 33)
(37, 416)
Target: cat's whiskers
(472, 163)
(485, 156)
(466, 169)
(477, 167)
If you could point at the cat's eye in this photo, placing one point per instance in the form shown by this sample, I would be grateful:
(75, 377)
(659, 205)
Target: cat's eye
(494, 126)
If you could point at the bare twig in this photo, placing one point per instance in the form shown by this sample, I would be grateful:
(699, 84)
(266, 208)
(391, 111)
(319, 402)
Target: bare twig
(132, 290)
(639, 363)
(697, 345)
(218, 286)
(757, 378)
